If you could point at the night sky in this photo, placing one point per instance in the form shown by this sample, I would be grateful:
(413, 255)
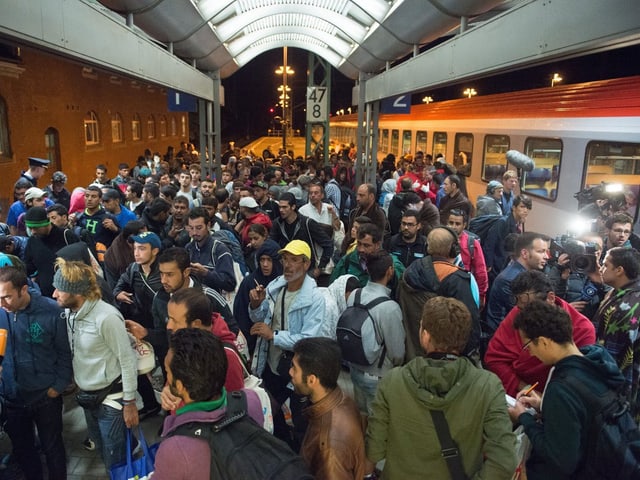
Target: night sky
(251, 91)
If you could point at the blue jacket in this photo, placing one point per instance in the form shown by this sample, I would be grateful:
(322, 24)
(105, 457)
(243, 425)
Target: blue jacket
(216, 255)
(500, 302)
(305, 317)
(38, 354)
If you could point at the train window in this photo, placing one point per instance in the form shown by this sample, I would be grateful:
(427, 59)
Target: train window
(463, 153)
(395, 138)
(494, 160)
(615, 163)
(384, 146)
(421, 141)
(174, 129)
(117, 132)
(136, 128)
(439, 144)
(406, 142)
(542, 181)
(163, 126)
(91, 129)
(151, 127)
(5, 144)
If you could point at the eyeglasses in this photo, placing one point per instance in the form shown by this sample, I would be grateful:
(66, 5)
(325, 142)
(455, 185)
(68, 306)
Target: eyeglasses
(519, 297)
(622, 231)
(405, 224)
(291, 260)
(526, 345)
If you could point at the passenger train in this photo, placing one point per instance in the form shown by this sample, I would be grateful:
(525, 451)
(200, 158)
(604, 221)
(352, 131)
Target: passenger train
(578, 136)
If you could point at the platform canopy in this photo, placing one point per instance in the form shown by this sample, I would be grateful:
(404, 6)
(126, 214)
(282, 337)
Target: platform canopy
(352, 35)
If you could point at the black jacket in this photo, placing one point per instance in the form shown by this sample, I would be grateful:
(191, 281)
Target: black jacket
(307, 230)
(143, 289)
(407, 252)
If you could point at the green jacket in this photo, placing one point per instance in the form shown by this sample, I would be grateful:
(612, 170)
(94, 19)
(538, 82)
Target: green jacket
(474, 405)
(350, 264)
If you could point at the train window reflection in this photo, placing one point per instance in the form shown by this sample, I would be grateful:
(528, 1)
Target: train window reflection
(542, 181)
(384, 141)
(615, 162)
(406, 142)
(395, 138)
(463, 153)
(439, 144)
(494, 161)
(421, 141)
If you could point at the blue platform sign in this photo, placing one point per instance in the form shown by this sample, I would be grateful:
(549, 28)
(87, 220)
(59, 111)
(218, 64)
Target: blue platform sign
(181, 102)
(398, 104)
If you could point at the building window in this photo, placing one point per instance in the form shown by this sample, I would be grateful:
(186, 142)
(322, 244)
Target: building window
(91, 129)
(151, 127)
(117, 133)
(183, 126)
(163, 126)
(174, 129)
(136, 128)
(5, 144)
(52, 144)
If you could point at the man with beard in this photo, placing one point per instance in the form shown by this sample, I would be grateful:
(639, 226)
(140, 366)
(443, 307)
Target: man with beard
(176, 226)
(289, 308)
(408, 245)
(354, 263)
(268, 206)
(100, 226)
(619, 227)
(103, 360)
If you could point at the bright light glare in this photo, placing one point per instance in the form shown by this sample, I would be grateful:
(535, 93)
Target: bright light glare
(613, 188)
(579, 225)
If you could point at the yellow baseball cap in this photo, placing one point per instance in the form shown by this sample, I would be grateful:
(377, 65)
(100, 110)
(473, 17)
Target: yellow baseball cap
(297, 247)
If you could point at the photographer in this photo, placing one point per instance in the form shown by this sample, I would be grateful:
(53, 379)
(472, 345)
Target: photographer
(575, 274)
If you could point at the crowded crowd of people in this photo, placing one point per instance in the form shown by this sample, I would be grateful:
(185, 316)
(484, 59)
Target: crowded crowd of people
(264, 273)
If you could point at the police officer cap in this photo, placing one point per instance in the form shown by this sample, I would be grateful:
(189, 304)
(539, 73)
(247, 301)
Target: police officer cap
(38, 162)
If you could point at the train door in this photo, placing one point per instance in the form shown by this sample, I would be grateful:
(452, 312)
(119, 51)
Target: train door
(52, 144)
(439, 144)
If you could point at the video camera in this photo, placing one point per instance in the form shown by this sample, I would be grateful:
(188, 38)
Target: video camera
(611, 193)
(582, 258)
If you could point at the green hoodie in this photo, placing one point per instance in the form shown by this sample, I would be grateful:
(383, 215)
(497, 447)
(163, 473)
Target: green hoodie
(473, 401)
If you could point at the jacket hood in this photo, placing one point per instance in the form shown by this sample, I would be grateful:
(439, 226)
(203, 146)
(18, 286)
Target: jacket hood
(389, 186)
(337, 291)
(270, 248)
(421, 275)
(221, 330)
(437, 383)
(596, 363)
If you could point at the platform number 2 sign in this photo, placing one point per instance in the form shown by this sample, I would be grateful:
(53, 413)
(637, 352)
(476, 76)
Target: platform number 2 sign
(317, 104)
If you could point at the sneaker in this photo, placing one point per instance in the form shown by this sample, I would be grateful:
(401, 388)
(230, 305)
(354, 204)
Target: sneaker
(89, 444)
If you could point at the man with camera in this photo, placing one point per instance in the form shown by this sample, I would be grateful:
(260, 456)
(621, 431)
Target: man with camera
(575, 272)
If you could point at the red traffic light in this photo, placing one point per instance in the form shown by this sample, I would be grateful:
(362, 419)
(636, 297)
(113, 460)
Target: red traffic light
(271, 110)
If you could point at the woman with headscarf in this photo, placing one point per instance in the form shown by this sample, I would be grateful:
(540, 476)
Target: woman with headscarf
(269, 269)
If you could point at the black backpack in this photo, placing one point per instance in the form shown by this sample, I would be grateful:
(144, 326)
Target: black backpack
(349, 330)
(241, 449)
(613, 446)
(482, 224)
(347, 203)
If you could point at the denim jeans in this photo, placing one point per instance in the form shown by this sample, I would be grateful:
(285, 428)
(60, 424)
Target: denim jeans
(46, 413)
(107, 429)
(364, 389)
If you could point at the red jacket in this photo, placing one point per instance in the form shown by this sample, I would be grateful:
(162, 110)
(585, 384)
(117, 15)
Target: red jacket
(477, 266)
(261, 218)
(508, 361)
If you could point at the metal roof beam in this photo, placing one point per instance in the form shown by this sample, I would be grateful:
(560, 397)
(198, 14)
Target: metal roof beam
(90, 33)
(536, 32)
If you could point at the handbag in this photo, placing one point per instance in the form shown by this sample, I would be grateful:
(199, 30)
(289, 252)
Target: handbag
(94, 398)
(140, 468)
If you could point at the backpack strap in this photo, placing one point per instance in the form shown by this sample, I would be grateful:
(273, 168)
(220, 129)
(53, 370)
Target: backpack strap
(373, 303)
(448, 448)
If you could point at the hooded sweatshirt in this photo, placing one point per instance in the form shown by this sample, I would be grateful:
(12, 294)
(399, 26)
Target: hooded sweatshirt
(559, 441)
(474, 406)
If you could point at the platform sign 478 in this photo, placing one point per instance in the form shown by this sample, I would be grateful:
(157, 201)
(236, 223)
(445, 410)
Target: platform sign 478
(317, 104)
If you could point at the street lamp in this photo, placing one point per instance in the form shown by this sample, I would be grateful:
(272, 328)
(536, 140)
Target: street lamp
(470, 92)
(427, 99)
(287, 119)
(555, 79)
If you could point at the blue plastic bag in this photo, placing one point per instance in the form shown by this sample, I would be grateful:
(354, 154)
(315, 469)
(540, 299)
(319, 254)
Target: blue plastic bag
(139, 469)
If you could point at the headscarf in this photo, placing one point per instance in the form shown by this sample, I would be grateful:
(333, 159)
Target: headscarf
(337, 290)
(269, 248)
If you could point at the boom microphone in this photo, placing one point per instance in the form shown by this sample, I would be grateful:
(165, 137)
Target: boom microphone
(520, 160)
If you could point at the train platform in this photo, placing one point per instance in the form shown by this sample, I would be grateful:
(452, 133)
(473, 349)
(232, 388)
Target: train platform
(296, 144)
